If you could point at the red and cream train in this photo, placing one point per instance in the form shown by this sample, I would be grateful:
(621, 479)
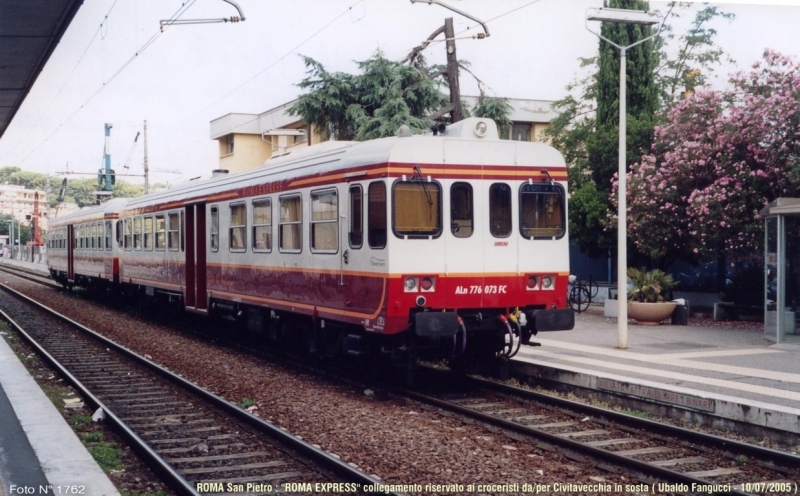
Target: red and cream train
(407, 247)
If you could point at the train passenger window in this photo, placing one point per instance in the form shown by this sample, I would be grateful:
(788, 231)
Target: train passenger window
(376, 215)
(417, 208)
(108, 235)
(137, 233)
(161, 232)
(461, 210)
(174, 231)
(290, 231)
(214, 239)
(99, 235)
(356, 216)
(148, 233)
(541, 211)
(324, 221)
(262, 225)
(128, 234)
(500, 210)
(238, 227)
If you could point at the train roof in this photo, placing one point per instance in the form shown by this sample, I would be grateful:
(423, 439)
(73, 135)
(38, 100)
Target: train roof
(111, 208)
(457, 145)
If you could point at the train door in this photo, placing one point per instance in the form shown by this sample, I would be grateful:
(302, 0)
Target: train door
(195, 297)
(465, 226)
(70, 253)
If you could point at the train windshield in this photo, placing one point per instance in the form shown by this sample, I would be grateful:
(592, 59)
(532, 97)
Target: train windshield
(542, 211)
(417, 208)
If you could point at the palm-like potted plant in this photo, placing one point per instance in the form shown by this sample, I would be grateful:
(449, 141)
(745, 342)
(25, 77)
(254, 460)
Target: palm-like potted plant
(646, 299)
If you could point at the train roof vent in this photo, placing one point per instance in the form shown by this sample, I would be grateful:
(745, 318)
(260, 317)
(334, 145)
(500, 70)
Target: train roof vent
(472, 128)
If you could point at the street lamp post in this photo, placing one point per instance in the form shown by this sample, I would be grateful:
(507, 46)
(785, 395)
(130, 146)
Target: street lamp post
(622, 16)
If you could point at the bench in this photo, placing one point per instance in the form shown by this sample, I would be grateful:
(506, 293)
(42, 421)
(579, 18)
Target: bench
(724, 310)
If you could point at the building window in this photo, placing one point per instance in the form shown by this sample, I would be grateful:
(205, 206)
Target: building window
(214, 229)
(174, 231)
(262, 225)
(461, 215)
(238, 227)
(291, 223)
(500, 210)
(417, 208)
(324, 221)
(541, 211)
(228, 144)
(356, 216)
(376, 212)
(521, 131)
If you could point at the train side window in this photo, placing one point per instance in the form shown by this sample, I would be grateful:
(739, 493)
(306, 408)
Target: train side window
(129, 234)
(290, 228)
(108, 235)
(161, 232)
(500, 210)
(376, 215)
(417, 208)
(541, 211)
(91, 233)
(324, 221)
(356, 216)
(120, 230)
(238, 227)
(461, 214)
(99, 235)
(137, 233)
(262, 225)
(214, 228)
(174, 232)
(148, 233)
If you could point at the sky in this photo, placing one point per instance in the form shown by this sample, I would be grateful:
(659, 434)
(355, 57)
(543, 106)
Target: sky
(123, 69)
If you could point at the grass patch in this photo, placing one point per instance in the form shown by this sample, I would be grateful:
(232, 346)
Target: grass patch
(740, 460)
(92, 437)
(637, 413)
(246, 403)
(79, 421)
(106, 456)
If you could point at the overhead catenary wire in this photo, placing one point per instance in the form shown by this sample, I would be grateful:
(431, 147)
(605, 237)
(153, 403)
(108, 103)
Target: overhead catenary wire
(181, 10)
(64, 84)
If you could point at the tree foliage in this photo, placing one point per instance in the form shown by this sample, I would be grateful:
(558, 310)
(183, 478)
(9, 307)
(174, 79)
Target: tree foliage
(717, 160)
(372, 104)
(586, 130)
(497, 109)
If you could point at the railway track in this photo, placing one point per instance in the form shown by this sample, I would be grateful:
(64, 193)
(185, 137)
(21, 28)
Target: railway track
(195, 440)
(29, 275)
(672, 458)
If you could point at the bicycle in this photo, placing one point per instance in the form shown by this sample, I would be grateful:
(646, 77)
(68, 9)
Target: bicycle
(581, 293)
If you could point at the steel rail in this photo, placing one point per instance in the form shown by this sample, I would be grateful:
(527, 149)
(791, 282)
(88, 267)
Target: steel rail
(318, 455)
(703, 438)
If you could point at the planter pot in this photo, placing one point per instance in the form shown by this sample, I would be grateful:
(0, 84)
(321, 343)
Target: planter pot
(650, 313)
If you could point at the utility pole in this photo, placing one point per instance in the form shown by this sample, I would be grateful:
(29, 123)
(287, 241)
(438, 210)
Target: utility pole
(146, 169)
(107, 156)
(452, 71)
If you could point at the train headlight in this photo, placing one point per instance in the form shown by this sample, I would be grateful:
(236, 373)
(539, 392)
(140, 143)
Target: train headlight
(532, 283)
(428, 283)
(411, 284)
(548, 282)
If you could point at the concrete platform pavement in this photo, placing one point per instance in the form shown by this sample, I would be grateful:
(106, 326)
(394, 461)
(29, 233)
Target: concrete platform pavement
(39, 452)
(717, 370)
(24, 264)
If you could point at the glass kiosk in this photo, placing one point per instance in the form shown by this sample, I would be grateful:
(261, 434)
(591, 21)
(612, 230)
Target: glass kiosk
(781, 268)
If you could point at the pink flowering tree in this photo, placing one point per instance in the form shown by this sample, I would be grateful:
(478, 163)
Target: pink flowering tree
(719, 158)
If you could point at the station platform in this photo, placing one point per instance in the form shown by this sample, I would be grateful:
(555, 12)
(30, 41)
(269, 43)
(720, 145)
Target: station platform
(717, 370)
(39, 452)
(24, 264)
